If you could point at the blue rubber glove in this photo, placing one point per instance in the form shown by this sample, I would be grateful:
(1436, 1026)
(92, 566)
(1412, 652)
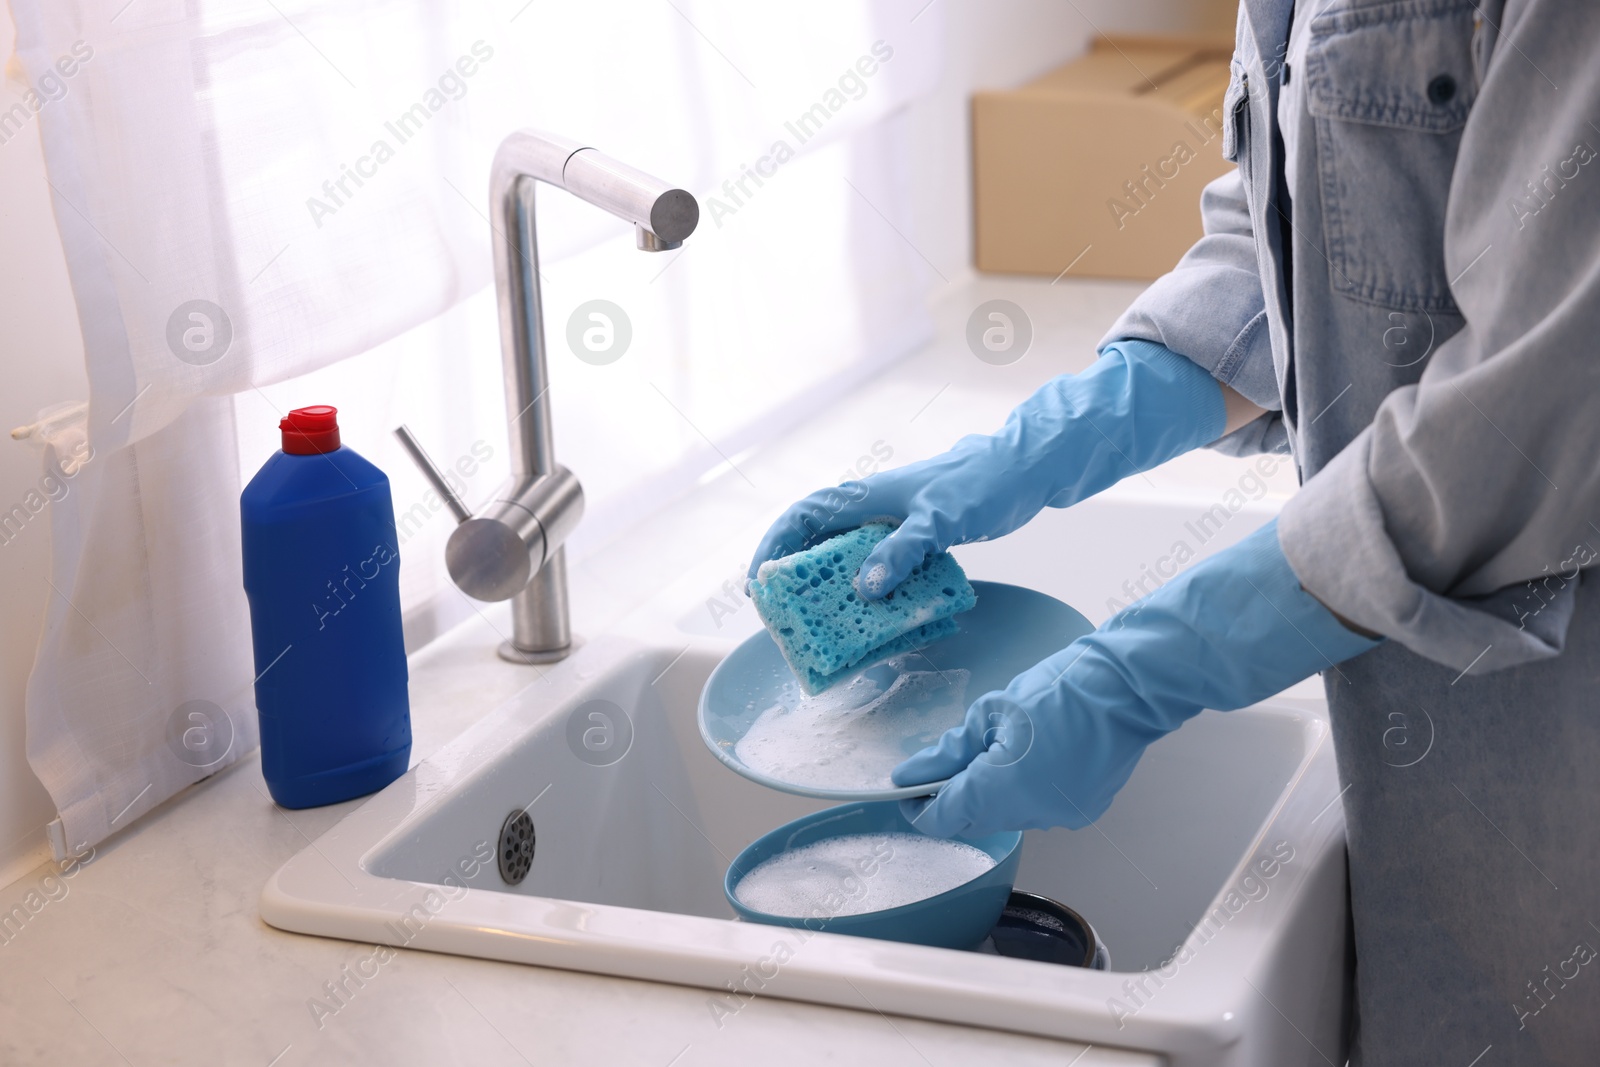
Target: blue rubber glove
(1137, 407)
(1055, 746)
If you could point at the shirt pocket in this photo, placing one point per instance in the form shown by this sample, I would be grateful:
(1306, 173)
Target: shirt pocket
(1389, 87)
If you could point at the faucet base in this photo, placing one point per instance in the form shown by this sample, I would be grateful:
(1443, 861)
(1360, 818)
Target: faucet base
(512, 654)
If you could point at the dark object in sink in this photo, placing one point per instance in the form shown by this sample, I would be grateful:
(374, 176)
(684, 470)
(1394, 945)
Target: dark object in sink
(1037, 928)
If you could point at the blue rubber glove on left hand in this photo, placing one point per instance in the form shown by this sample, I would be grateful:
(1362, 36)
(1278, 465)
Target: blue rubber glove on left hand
(1138, 406)
(1055, 746)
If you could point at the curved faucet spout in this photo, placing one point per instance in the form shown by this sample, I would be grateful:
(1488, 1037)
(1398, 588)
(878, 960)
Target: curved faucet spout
(662, 214)
(511, 548)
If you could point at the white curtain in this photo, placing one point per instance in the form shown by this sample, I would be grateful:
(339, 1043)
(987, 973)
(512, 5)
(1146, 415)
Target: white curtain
(266, 203)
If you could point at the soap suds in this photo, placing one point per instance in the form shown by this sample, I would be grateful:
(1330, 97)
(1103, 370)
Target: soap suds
(872, 581)
(858, 873)
(850, 737)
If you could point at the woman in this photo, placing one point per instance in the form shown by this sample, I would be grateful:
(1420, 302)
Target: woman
(1400, 284)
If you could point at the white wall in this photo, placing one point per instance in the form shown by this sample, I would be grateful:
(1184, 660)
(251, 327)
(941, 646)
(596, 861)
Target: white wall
(992, 44)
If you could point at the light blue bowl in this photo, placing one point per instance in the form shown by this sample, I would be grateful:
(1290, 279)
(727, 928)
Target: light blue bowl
(1009, 630)
(958, 918)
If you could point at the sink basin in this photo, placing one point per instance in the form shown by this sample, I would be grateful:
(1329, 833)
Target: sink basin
(1216, 879)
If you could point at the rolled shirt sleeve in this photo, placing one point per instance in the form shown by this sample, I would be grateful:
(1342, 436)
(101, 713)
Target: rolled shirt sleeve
(1458, 522)
(1210, 309)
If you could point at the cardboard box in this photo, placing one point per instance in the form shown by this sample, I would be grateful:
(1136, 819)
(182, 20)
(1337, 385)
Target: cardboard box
(1097, 167)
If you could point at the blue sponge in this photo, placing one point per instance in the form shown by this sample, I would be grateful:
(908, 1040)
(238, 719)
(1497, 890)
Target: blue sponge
(824, 628)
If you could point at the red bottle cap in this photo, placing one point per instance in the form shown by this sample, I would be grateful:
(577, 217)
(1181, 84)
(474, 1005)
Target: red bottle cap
(308, 431)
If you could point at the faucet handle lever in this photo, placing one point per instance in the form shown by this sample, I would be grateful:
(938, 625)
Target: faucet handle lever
(431, 471)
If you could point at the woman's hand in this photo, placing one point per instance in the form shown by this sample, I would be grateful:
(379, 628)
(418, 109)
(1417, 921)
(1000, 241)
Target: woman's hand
(1137, 407)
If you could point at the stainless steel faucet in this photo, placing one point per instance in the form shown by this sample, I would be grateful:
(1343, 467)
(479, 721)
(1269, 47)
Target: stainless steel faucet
(511, 549)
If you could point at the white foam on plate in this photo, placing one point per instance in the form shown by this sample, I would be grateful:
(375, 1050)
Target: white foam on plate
(850, 737)
(858, 873)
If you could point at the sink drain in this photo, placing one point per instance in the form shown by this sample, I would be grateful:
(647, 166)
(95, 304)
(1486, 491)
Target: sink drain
(516, 847)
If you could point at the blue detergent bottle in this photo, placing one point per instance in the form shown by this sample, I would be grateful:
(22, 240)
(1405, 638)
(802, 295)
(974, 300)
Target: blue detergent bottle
(322, 572)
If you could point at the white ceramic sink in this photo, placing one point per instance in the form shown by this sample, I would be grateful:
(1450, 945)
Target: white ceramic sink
(1225, 852)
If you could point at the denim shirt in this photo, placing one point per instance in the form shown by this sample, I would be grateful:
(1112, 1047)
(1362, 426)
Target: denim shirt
(1419, 314)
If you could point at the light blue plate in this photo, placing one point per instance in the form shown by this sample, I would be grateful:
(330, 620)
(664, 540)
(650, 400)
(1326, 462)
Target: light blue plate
(1009, 630)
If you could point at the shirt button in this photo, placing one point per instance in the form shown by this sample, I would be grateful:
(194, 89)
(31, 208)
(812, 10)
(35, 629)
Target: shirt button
(1441, 90)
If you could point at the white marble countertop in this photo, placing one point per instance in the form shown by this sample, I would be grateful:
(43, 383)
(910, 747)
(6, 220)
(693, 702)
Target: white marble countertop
(153, 952)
